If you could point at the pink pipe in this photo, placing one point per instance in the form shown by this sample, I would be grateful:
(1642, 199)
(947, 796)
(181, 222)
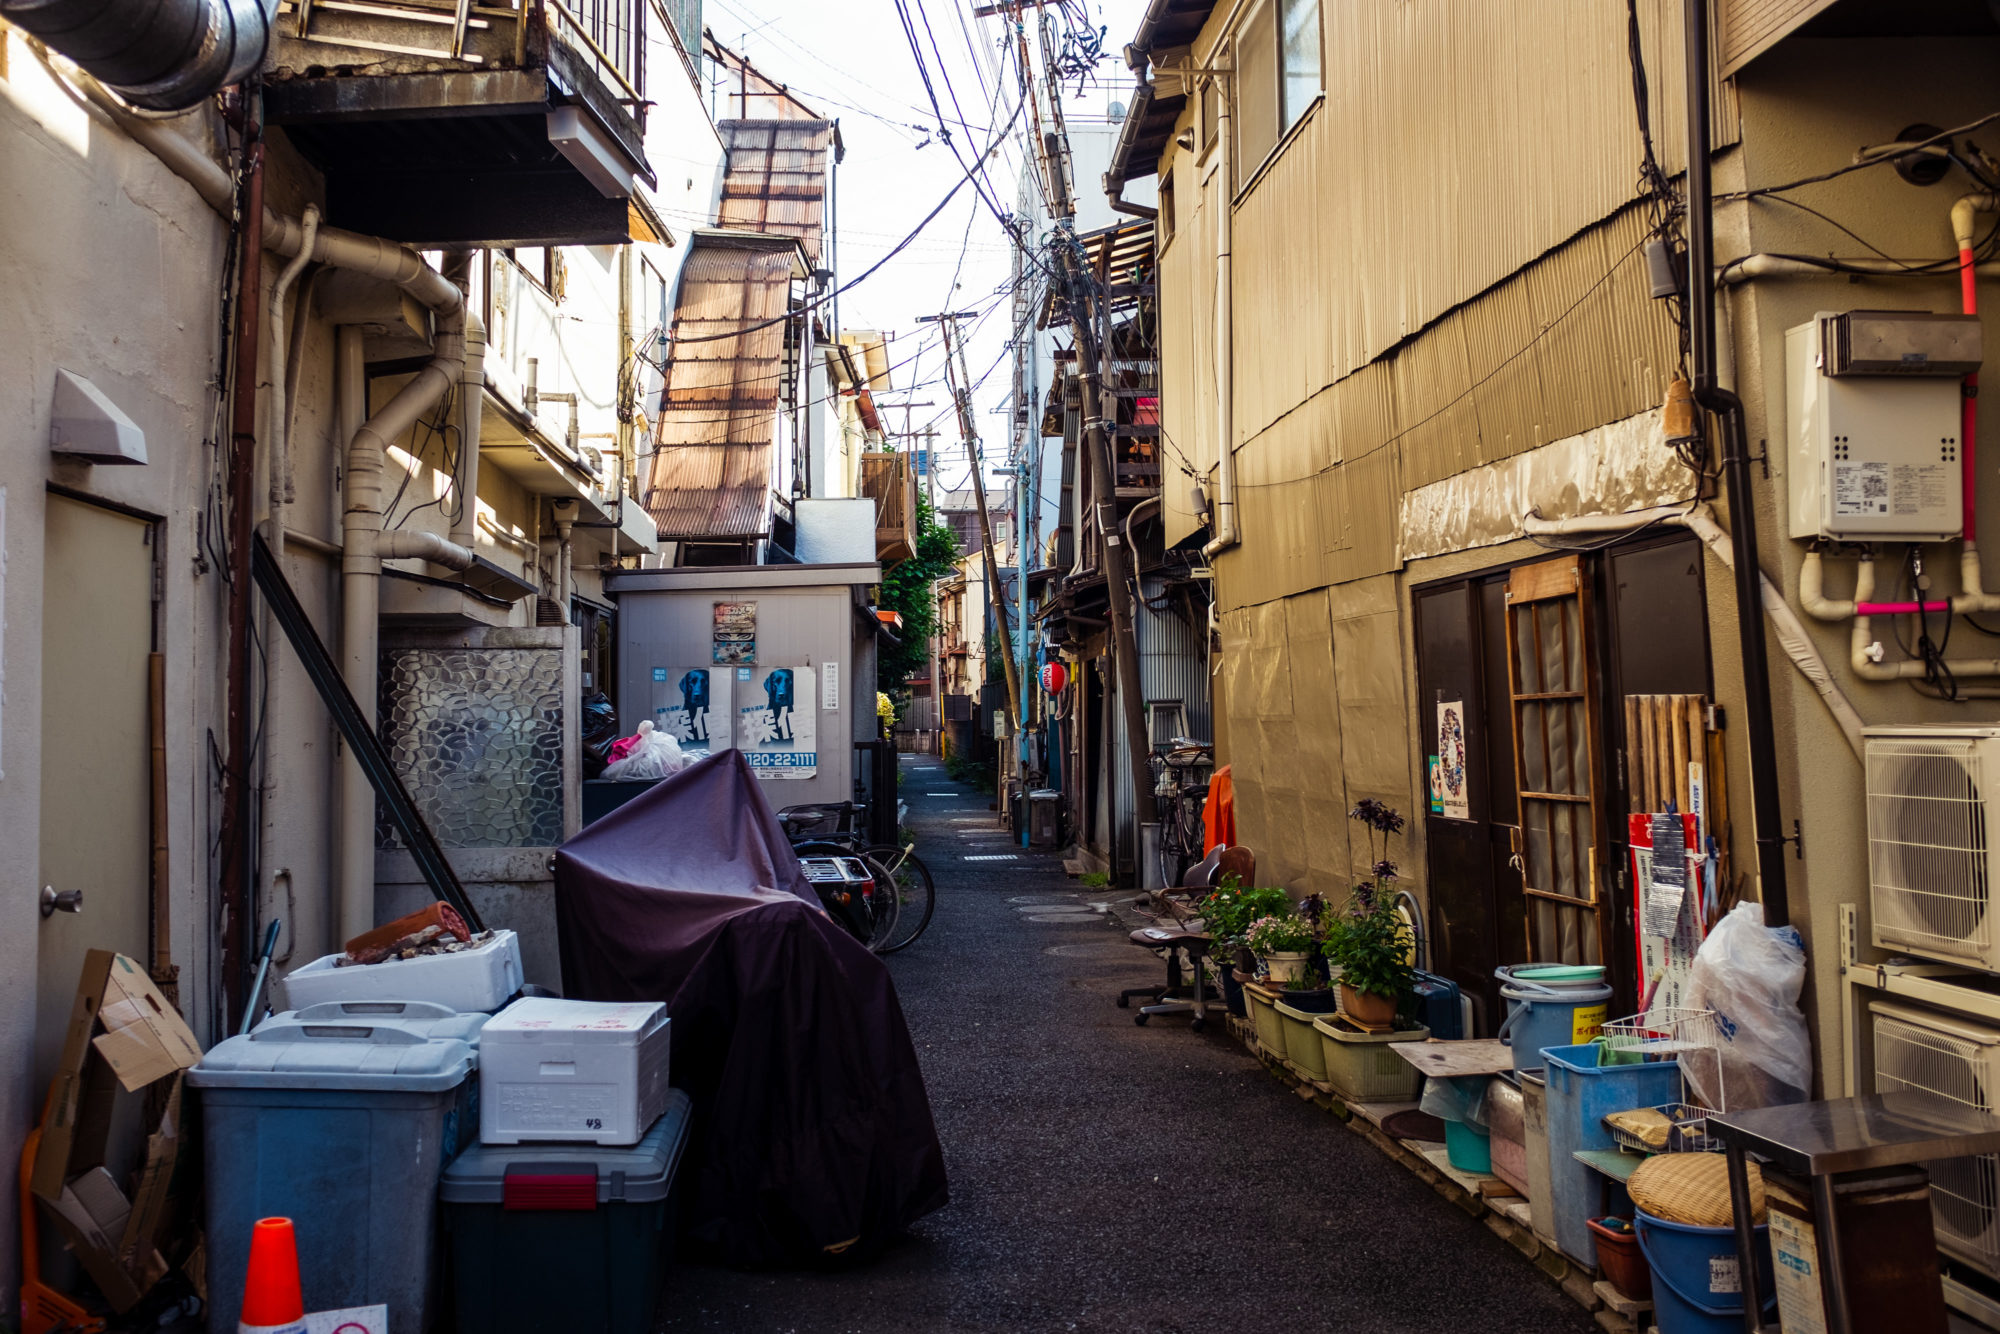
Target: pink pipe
(1968, 431)
(1898, 608)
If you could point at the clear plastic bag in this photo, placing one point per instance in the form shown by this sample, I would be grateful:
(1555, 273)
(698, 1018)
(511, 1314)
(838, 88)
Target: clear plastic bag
(1462, 1099)
(656, 755)
(1751, 976)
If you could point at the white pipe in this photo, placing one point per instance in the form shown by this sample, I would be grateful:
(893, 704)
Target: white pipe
(1785, 624)
(1964, 213)
(279, 431)
(354, 892)
(1738, 271)
(1225, 353)
(415, 544)
(471, 403)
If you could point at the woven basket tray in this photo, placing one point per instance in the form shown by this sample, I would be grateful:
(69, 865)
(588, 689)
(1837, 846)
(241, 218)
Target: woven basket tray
(1692, 1188)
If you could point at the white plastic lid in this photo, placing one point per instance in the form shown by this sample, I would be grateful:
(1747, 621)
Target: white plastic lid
(390, 1046)
(577, 1019)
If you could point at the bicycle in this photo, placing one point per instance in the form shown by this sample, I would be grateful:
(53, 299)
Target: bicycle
(906, 896)
(1181, 790)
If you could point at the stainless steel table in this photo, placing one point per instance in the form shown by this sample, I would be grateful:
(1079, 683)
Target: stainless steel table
(1822, 1140)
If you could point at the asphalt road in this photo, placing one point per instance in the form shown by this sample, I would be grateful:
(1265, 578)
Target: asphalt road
(1113, 1179)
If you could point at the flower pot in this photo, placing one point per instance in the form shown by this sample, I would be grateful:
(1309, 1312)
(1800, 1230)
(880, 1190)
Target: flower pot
(1232, 991)
(1263, 1005)
(1302, 1047)
(1319, 1000)
(1360, 1065)
(1286, 967)
(1373, 1011)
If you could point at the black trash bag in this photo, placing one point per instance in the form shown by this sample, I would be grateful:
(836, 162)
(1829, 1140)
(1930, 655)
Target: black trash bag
(599, 730)
(812, 1140)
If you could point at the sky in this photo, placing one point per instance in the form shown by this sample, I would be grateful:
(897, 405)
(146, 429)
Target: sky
(853, 63)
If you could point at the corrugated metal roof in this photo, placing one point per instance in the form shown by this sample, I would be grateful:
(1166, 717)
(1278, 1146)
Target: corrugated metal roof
(776, 178)
(715, 430)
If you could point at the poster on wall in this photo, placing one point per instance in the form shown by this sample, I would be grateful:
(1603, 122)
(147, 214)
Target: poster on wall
(1452, 799)
(691, 705)
(776, 723)
(735, 633)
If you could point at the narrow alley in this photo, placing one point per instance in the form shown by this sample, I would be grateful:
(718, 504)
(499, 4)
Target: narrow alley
(1114, 1179)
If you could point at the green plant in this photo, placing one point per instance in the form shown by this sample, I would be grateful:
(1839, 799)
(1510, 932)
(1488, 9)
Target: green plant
(1094, 880)
(1229, 908)
(1280, 935)
(907, 589)
(1367, 940)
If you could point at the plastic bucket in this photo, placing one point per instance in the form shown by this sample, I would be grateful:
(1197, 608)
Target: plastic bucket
(1547, 1008)
(1468, 1148)
(1695, 1281)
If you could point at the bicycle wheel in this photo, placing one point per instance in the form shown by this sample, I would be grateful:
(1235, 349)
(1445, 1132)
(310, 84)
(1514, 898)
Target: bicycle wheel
(916, 894)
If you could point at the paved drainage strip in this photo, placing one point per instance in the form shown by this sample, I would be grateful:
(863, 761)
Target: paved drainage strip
(992, 857)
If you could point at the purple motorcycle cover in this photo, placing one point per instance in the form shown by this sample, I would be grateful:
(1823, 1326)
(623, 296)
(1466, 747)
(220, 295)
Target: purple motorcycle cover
(812, 1132)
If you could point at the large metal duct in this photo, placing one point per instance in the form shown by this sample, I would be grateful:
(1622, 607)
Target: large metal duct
(162, 55)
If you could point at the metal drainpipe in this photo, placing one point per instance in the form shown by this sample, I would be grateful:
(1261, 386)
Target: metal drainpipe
(235, 841)
(354, 897)
(1225, 351)
(1728, 409)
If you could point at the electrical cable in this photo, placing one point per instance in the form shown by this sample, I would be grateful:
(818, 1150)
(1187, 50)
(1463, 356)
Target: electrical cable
(1900, 150)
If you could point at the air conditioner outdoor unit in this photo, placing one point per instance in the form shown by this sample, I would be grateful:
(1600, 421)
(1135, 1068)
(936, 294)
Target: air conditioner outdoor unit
(1933, 865)
(1959, 1060)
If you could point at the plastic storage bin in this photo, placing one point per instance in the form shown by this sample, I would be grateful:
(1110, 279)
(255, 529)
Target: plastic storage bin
(1581, 1093)
(589, 1072)
(1302, 1046)
(339, 1117)
(1361, 1067)
(472, 980)
(1696, 1286)
(564, 1237)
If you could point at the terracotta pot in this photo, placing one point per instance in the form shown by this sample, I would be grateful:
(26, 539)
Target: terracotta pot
(1366, 1009)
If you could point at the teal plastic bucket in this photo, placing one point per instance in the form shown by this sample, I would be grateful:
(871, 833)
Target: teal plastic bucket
(1550, 1007)
(1468, 1148)
(1695, 1281)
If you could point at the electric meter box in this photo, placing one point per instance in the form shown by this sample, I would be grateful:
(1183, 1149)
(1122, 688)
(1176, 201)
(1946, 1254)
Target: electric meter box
(1872, 405)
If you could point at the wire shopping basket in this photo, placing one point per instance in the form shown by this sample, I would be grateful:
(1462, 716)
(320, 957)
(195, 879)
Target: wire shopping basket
(1690, 1038)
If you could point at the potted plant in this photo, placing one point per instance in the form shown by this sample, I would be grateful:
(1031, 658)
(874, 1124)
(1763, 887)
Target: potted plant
(1284, 943)
(1367, 941)
(1226, 912)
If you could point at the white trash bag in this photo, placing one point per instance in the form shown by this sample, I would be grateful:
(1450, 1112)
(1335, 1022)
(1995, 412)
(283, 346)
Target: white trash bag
(1751, 976)
(656, 756)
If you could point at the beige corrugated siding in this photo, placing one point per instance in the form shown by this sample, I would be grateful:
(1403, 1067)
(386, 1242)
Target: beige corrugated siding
(775, 180)
(711, 470)
(1466, 179)
(1745, 29)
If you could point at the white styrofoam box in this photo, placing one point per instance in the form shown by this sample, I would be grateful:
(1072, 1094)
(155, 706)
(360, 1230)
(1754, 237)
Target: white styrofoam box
(591, 1072)
(470, 981)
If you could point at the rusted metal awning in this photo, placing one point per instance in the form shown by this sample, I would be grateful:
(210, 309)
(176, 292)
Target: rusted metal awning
(775, 180)
(716, 426)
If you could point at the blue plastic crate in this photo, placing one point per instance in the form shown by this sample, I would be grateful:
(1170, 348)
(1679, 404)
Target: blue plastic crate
(1581, 1094)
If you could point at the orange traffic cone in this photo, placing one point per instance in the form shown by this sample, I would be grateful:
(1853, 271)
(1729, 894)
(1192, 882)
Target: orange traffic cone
(272, 1303)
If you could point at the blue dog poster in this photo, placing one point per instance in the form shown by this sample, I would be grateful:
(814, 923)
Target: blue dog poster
(777, 722)
(691, 705)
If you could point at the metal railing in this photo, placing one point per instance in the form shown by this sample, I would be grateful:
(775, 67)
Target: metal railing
(612, 33)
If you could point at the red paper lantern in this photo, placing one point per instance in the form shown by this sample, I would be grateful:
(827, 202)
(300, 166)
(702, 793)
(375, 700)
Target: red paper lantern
(1054, 677)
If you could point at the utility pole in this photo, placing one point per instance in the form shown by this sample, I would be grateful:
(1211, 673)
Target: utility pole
(1084, 299)
(961, 392)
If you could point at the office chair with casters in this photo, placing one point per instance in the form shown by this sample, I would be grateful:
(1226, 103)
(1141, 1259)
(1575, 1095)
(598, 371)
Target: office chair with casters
(1178, 934)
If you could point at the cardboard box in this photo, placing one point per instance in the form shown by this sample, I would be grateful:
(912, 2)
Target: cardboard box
(121, 1031)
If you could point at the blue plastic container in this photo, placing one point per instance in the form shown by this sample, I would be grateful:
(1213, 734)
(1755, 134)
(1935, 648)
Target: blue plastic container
(1467, 1147)
(1541, 1015)
(1695, 1281)
(1581, 1094)
(339, 1117)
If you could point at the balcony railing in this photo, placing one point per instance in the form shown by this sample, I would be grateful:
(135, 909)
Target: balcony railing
(888, 479)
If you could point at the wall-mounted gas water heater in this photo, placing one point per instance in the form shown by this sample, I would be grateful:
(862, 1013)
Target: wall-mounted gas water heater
(1873, 409)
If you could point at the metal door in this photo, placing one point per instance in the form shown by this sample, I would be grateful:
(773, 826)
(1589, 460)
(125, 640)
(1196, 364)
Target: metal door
(97, 630)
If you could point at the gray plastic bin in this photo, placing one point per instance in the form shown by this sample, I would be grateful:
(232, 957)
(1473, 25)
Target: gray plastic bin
(339, 1117)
